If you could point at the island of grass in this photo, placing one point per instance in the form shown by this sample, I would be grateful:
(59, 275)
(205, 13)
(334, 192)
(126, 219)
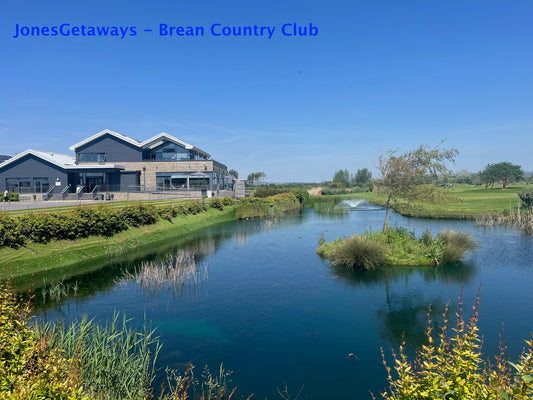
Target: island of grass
(397, 246)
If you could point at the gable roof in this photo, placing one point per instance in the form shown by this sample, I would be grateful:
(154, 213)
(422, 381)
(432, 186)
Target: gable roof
(151, 143)
(119, 136)
(60, 160)
(163, 137)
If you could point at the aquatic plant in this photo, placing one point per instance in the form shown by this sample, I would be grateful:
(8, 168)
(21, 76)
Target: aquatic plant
(178, 273)
(397, 246)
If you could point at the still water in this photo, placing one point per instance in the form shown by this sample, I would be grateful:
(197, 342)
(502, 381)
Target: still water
(263, 303)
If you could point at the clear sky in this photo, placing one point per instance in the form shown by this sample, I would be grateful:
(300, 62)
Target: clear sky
(377, 75)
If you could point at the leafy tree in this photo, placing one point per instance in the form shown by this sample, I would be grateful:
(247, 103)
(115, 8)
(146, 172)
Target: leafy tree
(464, 176)
(362, 177)
(234, 173)
(255, 178)
(408, 176)
(342, 176)
(501, 172)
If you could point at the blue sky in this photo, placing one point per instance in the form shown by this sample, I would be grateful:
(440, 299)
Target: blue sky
(378, 75)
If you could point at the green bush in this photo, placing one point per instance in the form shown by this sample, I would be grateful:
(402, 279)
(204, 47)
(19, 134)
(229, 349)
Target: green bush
(30, 366)
(217, 204)
(14, 196)
(454, 368)
(138, 215)
(526, 196)
(227, 201)
(10, 233)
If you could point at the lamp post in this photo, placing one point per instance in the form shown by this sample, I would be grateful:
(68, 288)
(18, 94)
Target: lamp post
(144, 177)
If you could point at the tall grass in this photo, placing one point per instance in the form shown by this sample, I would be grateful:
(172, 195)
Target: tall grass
(59, 290)
(397, 246)
(455, 245)
(179, 273)
(359, 252)
(115, 361)
(518, 218)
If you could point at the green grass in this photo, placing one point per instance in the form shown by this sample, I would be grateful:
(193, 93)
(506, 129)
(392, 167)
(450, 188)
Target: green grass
(58, 260)
(397, 246)
(465, 202)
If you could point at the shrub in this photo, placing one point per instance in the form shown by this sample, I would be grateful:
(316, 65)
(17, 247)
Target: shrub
(455, 245)
(30, 366)
(227, 201)
(453, 368)
(359, 252)
(217, 204)
(13, 196)
(301, 194)
(264, 192)
(10, 233)
(139, 215)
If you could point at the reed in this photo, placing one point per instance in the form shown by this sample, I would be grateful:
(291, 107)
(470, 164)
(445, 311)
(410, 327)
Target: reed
(114, 360)
(179, 274)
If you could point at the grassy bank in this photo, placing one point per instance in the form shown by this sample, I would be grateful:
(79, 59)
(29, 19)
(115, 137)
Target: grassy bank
(463, 202)
(61, 259)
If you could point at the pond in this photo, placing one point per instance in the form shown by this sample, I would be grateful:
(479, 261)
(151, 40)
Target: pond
(262, 302)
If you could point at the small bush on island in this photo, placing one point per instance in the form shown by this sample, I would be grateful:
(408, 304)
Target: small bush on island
(397, 246)
(453, 368)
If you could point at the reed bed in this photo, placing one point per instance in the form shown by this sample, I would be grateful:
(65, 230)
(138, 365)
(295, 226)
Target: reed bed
(522, 220)
(180, 274)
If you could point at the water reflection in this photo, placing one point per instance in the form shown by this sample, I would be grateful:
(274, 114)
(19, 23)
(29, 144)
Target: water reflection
(404, 316)
(180, 275)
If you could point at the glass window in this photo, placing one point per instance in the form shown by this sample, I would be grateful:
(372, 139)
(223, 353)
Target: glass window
(41, 185)
(92, 157)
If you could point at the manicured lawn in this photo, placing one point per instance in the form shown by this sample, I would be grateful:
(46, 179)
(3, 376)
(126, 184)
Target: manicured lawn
(465, 201)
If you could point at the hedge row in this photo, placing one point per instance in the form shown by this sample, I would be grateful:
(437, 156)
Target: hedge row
(254, 207)
(85, 222)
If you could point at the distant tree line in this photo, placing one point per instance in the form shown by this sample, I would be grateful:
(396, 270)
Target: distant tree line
(343, 179)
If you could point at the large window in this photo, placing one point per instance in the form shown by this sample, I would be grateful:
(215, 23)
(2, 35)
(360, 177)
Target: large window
(19, 185)
(169, 152)
(91, 157)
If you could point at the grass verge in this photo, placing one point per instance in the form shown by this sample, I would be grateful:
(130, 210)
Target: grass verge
(64, 258)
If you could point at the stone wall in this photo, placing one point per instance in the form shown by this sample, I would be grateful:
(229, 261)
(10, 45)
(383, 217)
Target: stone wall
(152, 167)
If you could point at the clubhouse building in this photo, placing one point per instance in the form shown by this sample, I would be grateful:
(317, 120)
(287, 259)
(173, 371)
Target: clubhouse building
(117, 166)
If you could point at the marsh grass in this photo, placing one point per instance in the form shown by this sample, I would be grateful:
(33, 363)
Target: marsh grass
(455, 246)
(114, 360)
(359, 252)
(327, 205)
(179, 273)
(522, 219)
(58, 291)
(397, 246)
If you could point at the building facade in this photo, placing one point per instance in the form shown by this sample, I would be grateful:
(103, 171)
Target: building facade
(109, 162)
